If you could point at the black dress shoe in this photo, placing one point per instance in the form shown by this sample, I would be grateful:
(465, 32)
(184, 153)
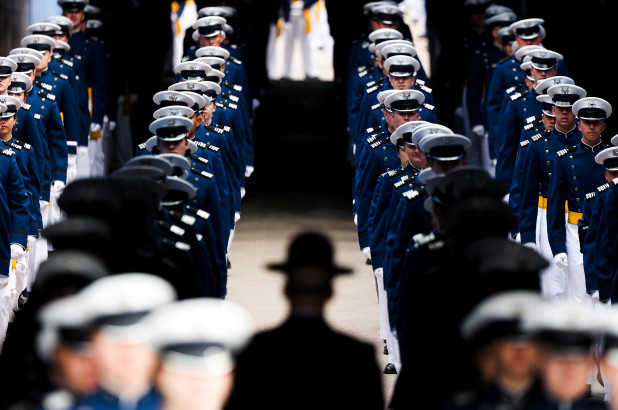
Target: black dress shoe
(390, 369)
(385, 351)
(368, 261)
(23, 298)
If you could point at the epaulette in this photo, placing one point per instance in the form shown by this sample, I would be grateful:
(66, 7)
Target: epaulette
(524, 143)
(37, 116)
(376, 107)
(374, 129)
(175, 229)
(379, 143)
(26, 106)
(423, 88)
(199, 159)
(235, 60)
(517, 96)
(365, 44)
(233, 86)
(200, 144)
(603, 187)
(362, 74)
(533, 118)
(226, 104)
(373, 89)
(591, 195)
(214, 128)
(428, 107)
(229, 96)
(22, 144)
(213, 148)
(414, 193)
(225, 128)
(394, 172)
(430, 240)
(375, 137)
(57, 74)
(513, 88)
(419, 81)
(198, 212)
(142, 146)
(374, 82)
(531, 125)
(364, 67)
(67, 62)
(12, 145)
(49, 96)
(540, 136)
(44, 86)
(404, 180)
(183, 218)
(176, 244)
(565, 151)
(8, 152)
(205, 174)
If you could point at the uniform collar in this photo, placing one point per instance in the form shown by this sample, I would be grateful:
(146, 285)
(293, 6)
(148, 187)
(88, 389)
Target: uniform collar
(413, 168)
(566, 134)
(593, 148)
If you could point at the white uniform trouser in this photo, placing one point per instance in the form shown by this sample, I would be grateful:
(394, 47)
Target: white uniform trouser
(392, 344)
(71, 165)
(295, 29)
(98, 149)
(82, 162)
(553, 279)
(6, 305)
(576, 278)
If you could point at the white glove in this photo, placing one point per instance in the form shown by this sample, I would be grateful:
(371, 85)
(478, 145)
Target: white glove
(112, 125)
(18, 253)
(236, 216)
(94, 127)
(530, 245)
(479, 130)
(242, 192)
(32, 240)
(356, 219)
(58, 186)
(506, 199)
(561, 260)
(248, 171)
(367, 252)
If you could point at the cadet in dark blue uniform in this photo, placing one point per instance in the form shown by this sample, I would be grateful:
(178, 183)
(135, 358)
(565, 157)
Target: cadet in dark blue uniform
(541, 65)
(540, 156)
(574, 173)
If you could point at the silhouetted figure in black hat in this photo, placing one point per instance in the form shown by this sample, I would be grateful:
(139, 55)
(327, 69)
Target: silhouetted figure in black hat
(303, 363)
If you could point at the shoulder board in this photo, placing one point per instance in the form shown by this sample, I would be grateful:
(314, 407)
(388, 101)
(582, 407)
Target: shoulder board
(517, 96)
(67, 62)
(540, 136)
(372, 89)
(374, 82)
(229, 105)
(375, 137)
(374, 129)
(365, 44)
(414, 193)
(603, 187)
(376, 107)
(513, 88)
(425, 89)
(177, 244)
(8, 152)
(229, 96)
(531, 125)
(233, 86)
(26, 106)
(565, 151)
(378, 143)
(419, 81)
(524, 143)
(225, 128)
(214, 128)
(200, 144)
(364, 67)
(533, 118)
(205, 174)
(235, 60)
(503, 59)
(12, 145)
(142, 146)
(591, 195)
(37, 116)
(44, 86)
(199, 212)
(63, 76)
(22, 144)
(395, 172)
(199, 159)
(421, 239)
(362, 74)
(49, 96)
(213, 148)
(428, 107)
(404, 180)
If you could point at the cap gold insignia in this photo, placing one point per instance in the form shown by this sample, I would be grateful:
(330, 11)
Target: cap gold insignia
(565, 90)
(21, 59)
(592, 104)
(190, 86)
(542, 54)
(173, 97)
(557, 81)
(615, 152)
(174, 111)
(433, 131)
(36, 40)
(192, 66)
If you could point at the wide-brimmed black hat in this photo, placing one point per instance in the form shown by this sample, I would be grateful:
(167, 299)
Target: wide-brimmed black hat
(310, 249)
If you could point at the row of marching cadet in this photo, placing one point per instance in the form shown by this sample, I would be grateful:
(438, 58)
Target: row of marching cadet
(519, 253)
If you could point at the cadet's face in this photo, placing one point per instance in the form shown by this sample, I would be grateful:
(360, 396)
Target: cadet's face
(4, 84)
(610, 176)
(208, 110)
(213, 41)
(76, 369)
(6, 127)
(542, 74)
(402, 83)
(374, 24)
(76, 17)
(173, 147)
(402, 117)
(548, 122)
(184, 391)
(384, 25)
(591, 130)
(565, 378)
(565, 119)
(403, 156)
(47, 56)
(478, 18)
(62, 37)
(416, 158)
(530, 42)
(20, 96)
(516, 360)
